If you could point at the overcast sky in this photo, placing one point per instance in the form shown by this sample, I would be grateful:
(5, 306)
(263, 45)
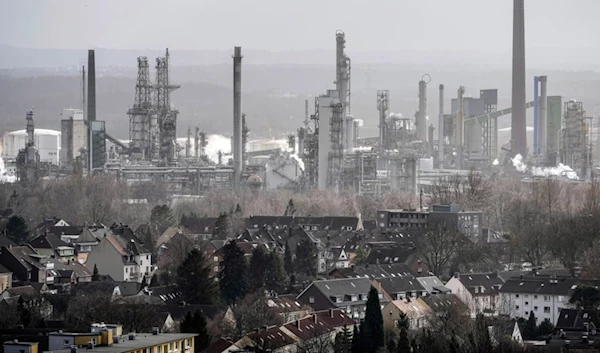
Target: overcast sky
(281, 25)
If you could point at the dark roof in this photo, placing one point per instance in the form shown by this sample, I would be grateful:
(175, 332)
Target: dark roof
(545, 285)
(368, 225)
(443, 302)
(390, 255)
(374, 271)
(199, 225)
(559, 272)
(433, 284)
(339, 223)
(309, 327)
(129, 288)
(283, 303)
(47, 241)
(26, 291)
(66, 230)
(272, 338)
(393, 285)
(490, 282)
(218, 346)
(26, 255)
(575, 319)
(178, 311)
(343, 287)
(168, 294)
(5, 241)
(335, 318)
(270, 222)
(4, 269)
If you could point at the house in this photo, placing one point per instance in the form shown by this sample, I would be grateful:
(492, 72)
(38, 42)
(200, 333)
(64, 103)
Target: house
(349, 294)
(5, 241)
(270, 339)
(398, 255)
(441, 304)
(416, 312)
(65, 233)
(85, 244)
(546, 296)
(21, 347)
(32, 299)
(166, 234)
(50, 222)
(501, 329)
(59, 273)
(5, 278)
(123, 257)
(52, 246)
(479, 291)
(199, 228)
(576, 320)
(24, 263)
(398, 288)
(221, 345)
(335, 258)
(318, 330)
(246, 246)
(173, 250)
(287, 307)
(372, 271)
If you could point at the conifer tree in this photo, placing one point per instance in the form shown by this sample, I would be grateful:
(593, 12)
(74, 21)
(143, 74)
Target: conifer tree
(233, 273)
(195, 281)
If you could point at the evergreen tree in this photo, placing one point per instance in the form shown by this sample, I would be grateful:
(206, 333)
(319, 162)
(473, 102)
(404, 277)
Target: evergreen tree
(361, 255)
(154, 281)
(195, 281)
(482, 335)
(404, 345)
(342, 343)
(275, 274)
(288, 261)
(16, 230)
(196, 323)
(257, 269)
(144, 282)
(24, 313)
(586, 297)
(530, 327)
(223, 226)
(372, 335)
(356, 341)
(162, 216)
(306, 258)
(95, 274)
(233, 273)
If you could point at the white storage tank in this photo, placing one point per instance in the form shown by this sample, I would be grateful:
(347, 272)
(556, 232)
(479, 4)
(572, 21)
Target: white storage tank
(47, 143)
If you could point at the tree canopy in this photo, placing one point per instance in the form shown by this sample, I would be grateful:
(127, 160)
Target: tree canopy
(16, 229)
(195, 281)
(233, 273)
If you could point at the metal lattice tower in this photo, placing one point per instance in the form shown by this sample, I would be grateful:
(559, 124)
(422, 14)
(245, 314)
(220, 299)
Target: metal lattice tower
(166, 116)
(140, 115)
(383, 100)
(337, 150)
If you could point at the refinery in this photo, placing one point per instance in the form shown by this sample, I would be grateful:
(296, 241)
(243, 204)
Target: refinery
(328, 150)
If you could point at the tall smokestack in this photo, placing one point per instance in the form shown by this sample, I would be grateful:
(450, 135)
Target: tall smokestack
(237, 117)
(441, 129)
(91, 90)
(518, 123)
(542, 119)
(421, 115)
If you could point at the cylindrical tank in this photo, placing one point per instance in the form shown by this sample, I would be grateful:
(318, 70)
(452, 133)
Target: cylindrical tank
(47, 142)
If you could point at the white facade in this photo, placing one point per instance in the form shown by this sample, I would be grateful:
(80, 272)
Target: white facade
(544, 306)
(480, 302)
(118, 263)
(46, 141)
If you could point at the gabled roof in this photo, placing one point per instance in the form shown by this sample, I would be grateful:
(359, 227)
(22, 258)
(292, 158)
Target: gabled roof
(125, 246)
(473, 282)
(65, 230)
(308, 327)
(129, 288)
(375, 271)
(545, 285)
(5, 241)
(390, 255)
(558, 272)
(394, 285)
(433, 284)
(219, 346)
(25, 291)
(27, 256)
(575, 319)
(272, 338)
(341, 287)
(4, 270)
(256, 222)
(336, 318)
(47, 241)
(443, 302)
(166, 235)
(86, 237)
(414, 309)
(283, 303)
(199, 225)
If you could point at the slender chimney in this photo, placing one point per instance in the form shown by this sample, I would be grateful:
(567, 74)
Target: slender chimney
(237, 117)
(518, 123)
(421, 115)
(441, 129)
(91, 89)
(542, 119)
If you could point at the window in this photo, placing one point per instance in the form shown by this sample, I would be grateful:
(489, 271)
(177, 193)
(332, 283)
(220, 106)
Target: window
(216, 259)
(535, 308)
(546, 310)
(535, 297)
(526, 303)
(147, 257)
(526, 313)
(216, 269)
(546, 298)
(517, 307)
(66, 342)
(516, 295)
(311, 300)
(526, 296)
(126, 269)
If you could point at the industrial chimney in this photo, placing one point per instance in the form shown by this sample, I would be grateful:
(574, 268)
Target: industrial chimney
(91, 90)
(441, 129)
(518, 123)
(543, 117)
(422, 113)
(237, 117)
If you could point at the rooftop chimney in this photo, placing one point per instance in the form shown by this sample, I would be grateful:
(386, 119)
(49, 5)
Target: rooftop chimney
(518, 131)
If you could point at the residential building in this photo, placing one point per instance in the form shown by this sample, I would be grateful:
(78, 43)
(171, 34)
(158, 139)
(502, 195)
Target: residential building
(441, 304)
(287, 307)
(415, 310)
(24, 263)
(398, 255)
(479, 291)
(32, 299)
(348, 294)
(468, 222)
(545, 296)
(122, 257)
(105, 342)
(5, 278)
(372, 271)
(173, 250)
(576, 320)
(270, 339)
(433, 285)
(52, 246)
(398, 288)
(85, 244)
(20, 347)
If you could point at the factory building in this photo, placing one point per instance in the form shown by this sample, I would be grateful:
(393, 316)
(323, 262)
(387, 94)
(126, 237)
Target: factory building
(73, 135)
(47, 142)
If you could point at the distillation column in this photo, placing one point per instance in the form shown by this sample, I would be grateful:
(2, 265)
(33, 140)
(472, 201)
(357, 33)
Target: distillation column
(441, 129)
(542, 119)
(237, 117)
(342, 81)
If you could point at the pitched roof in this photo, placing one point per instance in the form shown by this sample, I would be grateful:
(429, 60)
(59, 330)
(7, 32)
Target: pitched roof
(47, 241)
(559, 272)
(166, 235)
(394, 285)
(218, 346)
(433, 284)
(443, 302)
(271, 338)
(335, 318)
(26, 255)
(64, 230)
(270, 221)
(5, 241)
(374, 271)
(412, 308)
(575, 319)
(26, 291)
(199, 225)
(545, 285)
(308, 327)
(4, 269)
(345, 286)
(390, 255)
(474, 282)
(283, 303)
(129, 288)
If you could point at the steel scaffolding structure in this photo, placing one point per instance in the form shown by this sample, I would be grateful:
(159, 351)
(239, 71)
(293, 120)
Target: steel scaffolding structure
(140, 115)
(166, 116)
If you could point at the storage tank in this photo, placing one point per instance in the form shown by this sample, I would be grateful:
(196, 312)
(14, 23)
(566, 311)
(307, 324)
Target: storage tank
(47, 143)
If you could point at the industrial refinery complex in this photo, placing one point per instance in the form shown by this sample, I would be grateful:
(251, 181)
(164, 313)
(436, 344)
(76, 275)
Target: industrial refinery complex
(327, 151)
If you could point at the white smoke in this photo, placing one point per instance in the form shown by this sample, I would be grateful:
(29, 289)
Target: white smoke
(4, 177)
(560, 170)
(215, 144)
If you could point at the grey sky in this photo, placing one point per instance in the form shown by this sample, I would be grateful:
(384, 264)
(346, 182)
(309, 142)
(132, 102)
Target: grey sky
(279, 25)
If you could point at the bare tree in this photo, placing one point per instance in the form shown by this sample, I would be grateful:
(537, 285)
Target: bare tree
(438, 243)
